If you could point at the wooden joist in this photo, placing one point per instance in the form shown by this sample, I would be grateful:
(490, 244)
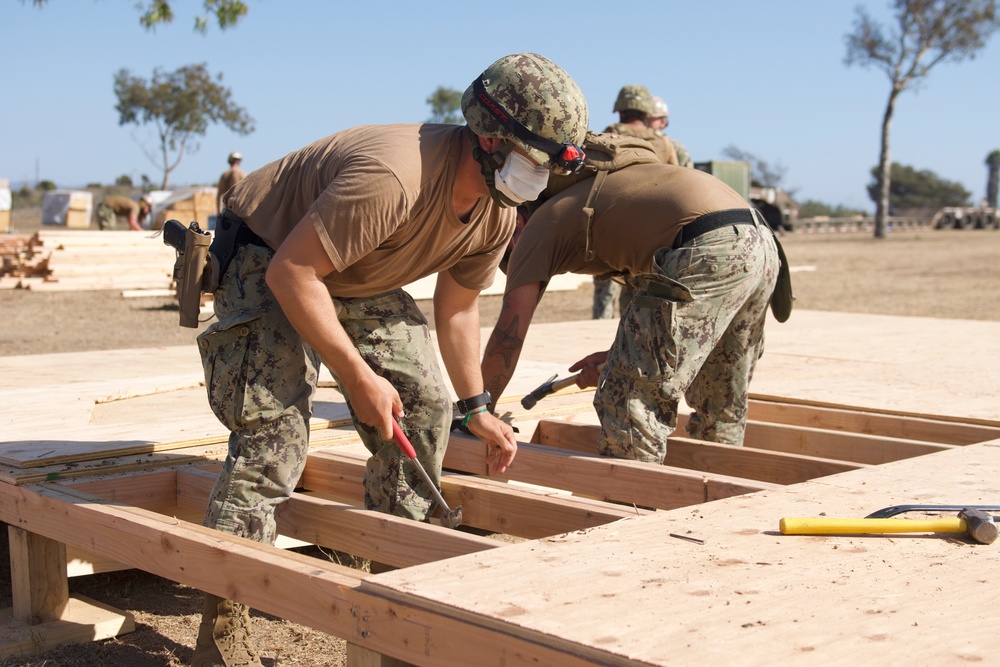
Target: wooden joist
(320, 594)
(748, 462)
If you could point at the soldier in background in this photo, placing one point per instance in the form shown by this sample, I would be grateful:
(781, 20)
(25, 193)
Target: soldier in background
(659, 121)
(636, 111)
(135, 211)
(230, 177)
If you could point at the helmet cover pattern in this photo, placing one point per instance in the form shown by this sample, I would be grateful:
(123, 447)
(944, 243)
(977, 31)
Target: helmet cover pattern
(539, 94)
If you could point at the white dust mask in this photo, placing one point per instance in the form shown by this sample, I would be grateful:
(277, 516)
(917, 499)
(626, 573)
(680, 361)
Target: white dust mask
(520, 179)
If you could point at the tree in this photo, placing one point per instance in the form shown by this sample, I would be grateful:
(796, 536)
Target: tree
(993, 162)
(812, 208)
(911, 188)
(929, 32)
(181, 105)
(445, 106)
(762, 173)
(227, 13)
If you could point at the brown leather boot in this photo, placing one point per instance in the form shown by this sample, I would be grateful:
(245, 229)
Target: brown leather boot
(223, 637)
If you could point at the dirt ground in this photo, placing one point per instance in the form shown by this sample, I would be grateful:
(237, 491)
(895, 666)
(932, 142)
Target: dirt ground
(927, 273)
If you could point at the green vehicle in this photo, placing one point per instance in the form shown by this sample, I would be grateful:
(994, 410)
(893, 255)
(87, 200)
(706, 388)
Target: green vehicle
(776, 205)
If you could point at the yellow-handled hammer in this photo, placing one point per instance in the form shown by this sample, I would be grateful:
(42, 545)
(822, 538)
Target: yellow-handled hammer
(975, 523)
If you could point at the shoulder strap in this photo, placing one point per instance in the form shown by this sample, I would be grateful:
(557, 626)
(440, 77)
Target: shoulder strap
(588, 214)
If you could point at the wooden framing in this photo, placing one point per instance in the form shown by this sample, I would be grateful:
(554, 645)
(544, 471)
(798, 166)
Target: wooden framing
(558, 493)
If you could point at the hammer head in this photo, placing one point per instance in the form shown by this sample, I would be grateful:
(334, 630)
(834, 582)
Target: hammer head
(451, 518)
(979, 525)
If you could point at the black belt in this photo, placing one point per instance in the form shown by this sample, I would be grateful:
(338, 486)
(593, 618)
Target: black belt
(713, 221)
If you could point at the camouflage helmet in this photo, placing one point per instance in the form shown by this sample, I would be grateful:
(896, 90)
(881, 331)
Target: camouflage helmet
(659, 108)
(538, 95)
(633, 97)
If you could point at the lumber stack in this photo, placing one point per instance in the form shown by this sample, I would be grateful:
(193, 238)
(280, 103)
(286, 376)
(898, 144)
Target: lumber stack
(63, 260)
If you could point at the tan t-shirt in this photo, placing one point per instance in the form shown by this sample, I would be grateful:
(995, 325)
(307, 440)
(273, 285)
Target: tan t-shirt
(122, 205)
(380, 198)
(229, 178)
(640, 209)
(661, 144)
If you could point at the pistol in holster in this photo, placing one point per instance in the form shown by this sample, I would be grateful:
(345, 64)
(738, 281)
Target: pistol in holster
(196, 270)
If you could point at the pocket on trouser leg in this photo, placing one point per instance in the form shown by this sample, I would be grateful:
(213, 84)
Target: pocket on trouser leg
(225, 353)
(385, 492)
(636, 409)
(635, 420)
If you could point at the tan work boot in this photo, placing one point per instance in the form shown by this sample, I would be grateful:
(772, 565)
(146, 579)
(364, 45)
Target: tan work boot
(223, 637)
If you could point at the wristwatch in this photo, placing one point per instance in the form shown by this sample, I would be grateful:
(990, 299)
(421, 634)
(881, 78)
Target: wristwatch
(467, 405)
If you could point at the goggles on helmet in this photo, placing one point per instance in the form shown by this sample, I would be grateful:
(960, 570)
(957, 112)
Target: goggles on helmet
(568, 157)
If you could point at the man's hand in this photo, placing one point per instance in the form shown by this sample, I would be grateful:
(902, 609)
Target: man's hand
(375, 401)
(499, 438)
(589, 371)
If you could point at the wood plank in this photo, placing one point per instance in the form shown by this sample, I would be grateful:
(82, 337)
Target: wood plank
(354, 530)
(317, 593)
(486, 504)
(84, 620)
(940, 429)
(748, 595)
(614, 480)
(39, 588)
(155, 491)
(856, 447)
(747, 462)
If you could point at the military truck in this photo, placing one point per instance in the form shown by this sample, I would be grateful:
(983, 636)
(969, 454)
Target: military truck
(776, 205)
(966, 217)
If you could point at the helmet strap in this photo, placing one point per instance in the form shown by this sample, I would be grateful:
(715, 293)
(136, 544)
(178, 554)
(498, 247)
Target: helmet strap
(489, 164)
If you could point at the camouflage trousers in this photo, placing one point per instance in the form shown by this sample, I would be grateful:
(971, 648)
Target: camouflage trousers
(605, 293)
(261, 377)
(106, 217)
(703, 350)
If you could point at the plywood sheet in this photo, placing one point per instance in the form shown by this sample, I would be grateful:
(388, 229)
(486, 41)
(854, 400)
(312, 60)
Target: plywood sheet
(748, 595)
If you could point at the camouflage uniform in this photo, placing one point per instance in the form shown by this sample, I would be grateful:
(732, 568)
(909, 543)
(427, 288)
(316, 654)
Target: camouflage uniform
(683, 156)
(605, 293)
(261, 378)
(704, 350)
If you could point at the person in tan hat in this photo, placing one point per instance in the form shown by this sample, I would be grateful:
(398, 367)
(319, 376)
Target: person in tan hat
(230, 177)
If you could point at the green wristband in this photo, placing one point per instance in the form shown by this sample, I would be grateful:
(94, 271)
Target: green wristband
(465, 422)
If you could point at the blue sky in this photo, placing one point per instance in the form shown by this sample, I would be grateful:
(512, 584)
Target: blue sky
(766, 76)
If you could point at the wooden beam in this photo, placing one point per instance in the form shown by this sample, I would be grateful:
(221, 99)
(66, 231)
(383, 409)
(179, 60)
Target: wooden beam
(39, 588)
(872, 422)
(614, 480)
(322, 595)
(690, 454)
(83, 620)
(487, 504)
(856, 447)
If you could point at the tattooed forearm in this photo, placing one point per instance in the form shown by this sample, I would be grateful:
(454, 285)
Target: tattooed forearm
(500, 359)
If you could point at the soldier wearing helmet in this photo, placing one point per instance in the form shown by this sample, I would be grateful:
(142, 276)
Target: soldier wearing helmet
(315, 249)
(659, 120)
(230, 177)
(703, 266)
(636, 110)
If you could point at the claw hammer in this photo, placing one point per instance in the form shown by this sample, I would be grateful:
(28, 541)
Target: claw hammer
(450, 518)
(973, 522)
